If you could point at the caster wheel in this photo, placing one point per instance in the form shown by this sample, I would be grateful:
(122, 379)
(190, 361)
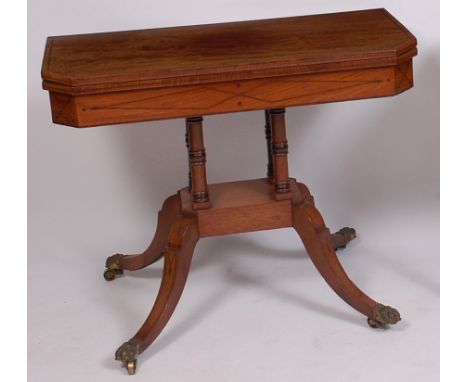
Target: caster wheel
(374, 324)
(131, 367)
(128, 352)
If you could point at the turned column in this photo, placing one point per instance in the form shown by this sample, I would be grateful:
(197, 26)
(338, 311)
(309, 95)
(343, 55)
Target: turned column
(197, 161)
(270, 172)
(279, 149)
(188, 157)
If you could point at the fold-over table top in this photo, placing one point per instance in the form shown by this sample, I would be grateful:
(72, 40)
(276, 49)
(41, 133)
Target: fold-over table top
(191, 55)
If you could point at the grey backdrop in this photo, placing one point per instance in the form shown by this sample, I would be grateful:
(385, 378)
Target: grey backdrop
(254, 307)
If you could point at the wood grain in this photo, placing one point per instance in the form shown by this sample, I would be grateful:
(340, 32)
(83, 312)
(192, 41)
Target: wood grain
(170, 211)
(120, 77)
(130, 60)
(316, 238)
(190, 72)
(226, 97)
(243, 206)
(178, 253)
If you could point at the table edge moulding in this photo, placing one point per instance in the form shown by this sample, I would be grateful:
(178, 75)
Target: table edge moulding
(190, 72)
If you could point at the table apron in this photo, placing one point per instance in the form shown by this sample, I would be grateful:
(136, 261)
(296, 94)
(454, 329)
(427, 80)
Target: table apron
(226, 97)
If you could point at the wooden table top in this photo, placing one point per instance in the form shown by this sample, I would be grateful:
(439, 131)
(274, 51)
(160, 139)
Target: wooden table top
(173, 58)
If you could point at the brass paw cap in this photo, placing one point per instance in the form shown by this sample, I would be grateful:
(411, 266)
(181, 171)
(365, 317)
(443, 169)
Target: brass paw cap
(113, 262)
(129, 350)
(386, 315)
(348, 233)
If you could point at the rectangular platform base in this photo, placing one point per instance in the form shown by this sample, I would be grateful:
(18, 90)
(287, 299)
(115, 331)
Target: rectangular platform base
(243, 206)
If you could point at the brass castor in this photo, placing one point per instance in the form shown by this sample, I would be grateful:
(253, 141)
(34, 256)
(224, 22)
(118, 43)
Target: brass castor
(109, 274)
(127, 354)
(131, 367)
(113, 267)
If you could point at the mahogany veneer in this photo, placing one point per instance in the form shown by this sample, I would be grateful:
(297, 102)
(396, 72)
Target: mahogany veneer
(188, 72)
(119, 77)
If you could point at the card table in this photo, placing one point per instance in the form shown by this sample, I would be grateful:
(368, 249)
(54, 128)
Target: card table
(193, 71)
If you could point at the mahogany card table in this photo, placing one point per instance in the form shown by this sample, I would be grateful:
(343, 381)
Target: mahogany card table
(193, 71)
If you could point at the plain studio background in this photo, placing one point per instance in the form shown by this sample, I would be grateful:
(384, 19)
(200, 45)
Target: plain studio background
(254, 307)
